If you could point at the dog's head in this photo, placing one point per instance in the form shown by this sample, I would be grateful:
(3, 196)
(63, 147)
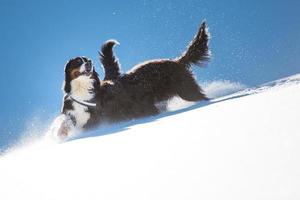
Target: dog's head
(77, 70)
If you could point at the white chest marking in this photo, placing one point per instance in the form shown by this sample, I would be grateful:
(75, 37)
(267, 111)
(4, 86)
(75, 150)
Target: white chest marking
(81, 88)
(80, 114)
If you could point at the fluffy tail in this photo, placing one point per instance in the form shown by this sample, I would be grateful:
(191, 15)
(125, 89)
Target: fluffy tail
(197, 51)
(109, 61)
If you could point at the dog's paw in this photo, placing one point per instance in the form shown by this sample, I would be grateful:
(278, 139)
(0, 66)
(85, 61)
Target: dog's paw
(60, 128)
(63, 130)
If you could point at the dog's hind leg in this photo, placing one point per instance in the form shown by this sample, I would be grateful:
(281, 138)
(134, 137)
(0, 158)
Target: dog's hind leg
(148, 109)
(152, 110)
(189, 90)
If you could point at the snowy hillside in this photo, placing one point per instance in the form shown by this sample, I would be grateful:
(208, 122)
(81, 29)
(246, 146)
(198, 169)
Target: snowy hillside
(241, 146)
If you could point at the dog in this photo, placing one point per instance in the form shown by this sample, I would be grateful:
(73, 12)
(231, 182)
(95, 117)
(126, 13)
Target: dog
(90, 102)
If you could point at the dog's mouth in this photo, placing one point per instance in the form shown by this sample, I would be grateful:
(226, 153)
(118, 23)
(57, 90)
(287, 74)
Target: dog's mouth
(87, 73)
(78, 73)
(87, 70)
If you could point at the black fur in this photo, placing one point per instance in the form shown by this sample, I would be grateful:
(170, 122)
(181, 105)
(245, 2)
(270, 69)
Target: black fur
(197, 52)
(110, 63)
(134, 94)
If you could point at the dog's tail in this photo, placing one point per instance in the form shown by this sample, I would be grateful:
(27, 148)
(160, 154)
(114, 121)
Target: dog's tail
(197, 52)
(109, 61)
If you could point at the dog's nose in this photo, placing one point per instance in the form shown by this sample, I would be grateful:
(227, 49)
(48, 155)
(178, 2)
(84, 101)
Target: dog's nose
(88, 66)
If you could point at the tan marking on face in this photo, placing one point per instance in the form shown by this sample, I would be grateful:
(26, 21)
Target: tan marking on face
(75, 73)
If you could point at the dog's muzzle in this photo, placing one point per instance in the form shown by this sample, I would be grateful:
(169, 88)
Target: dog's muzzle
(86, 68)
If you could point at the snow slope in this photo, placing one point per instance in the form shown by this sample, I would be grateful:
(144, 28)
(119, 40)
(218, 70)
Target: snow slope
(241, 146)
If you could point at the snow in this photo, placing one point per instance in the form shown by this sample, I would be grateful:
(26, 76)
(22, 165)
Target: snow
(241, 146)
(221, 88)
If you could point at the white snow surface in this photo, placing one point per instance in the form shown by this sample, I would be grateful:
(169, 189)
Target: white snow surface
(241, 146)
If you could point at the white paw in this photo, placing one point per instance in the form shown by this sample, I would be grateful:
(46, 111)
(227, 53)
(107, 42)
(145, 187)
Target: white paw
(61, 128)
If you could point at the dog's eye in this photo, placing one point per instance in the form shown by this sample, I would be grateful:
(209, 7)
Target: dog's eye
(78, 61)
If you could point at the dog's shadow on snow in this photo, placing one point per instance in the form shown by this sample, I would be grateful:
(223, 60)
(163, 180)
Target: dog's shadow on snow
(123, 126)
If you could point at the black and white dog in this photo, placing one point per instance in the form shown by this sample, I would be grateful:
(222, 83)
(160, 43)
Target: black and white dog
(89, 101)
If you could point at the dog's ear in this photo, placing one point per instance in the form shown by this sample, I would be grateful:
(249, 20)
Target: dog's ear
(66, 87)
(67, 65)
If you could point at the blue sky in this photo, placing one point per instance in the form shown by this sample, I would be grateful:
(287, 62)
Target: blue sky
(252, 42)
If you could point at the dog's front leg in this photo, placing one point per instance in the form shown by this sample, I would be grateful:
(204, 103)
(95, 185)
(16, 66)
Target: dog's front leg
(62, 126)
(66, 127)
(63, 130)
(109, 61)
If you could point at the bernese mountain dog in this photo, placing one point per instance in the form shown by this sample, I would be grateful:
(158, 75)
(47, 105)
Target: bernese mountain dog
(90, 102)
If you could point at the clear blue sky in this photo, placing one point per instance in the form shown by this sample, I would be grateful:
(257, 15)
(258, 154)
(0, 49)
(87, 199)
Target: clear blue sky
(252, 42)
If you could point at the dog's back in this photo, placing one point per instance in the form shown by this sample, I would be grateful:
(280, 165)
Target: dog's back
(159, 80)
(135, 93)
(88, 102)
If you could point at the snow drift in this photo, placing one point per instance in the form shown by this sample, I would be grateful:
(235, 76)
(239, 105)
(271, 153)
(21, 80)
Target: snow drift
(241, 146)
(220, 88)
